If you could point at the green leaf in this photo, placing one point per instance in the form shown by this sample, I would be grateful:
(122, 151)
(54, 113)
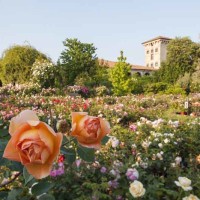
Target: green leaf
(70, 154)
(105, 140)
(3, 144)
(64, 140)
(3, 132)
(3, 195)
(27, 176)
(41, 188)
(86, 154)
(12, 195)
(47, 197)
(16, 166)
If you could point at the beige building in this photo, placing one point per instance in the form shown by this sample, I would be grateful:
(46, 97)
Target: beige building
(138, 69)
(155, 51)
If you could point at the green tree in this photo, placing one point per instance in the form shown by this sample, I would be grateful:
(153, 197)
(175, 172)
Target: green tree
(16, 63)
(191, 80)
(77, 58)
(182, 56)
(120, 77)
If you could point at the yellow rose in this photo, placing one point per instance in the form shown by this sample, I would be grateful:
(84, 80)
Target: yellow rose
(33, 143)
(136, 189)
(89, 130)
(184, 183)
(191, 197)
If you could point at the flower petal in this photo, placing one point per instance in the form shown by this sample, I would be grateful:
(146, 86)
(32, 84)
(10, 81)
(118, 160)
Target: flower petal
(177, 183)
(49, 128)
(105, 127)
(24, 116)
(77, 116)
(39, 171)
(45, 155)
(57, 144)
(94, 145)
(46, 136)
(33, 123)
(11, 152)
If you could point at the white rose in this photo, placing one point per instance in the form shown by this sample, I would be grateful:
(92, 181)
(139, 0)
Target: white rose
(136, 189)
(184, 183)
(145, 144)
(115, 143)
(178, 160)
(166, 141)
(191, 197)
(159, 155)
(160, 145)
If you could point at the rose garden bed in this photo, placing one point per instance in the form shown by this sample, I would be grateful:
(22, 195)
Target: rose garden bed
(150, 153)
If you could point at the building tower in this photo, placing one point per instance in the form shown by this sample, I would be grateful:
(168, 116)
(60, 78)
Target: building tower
(155, 51)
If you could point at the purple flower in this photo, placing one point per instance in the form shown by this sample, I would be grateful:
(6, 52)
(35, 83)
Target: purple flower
(60, 164)
(103, 170)
(85, 90)
(132, 174)
(119, 197)
(133, 127)
(60, 171)
(113, 184)
(53, 173)
(78, 162)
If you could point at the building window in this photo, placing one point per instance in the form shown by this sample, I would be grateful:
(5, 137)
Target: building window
(151, 56)
(151, 50)
(151, 64)
(147, 64)
(147, 51)
(156, 64)
(138, 73)
(156, 50)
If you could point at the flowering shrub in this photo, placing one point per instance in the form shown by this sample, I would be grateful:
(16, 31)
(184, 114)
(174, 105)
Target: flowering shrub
(101, 91)
(151, 152)
(43, 73)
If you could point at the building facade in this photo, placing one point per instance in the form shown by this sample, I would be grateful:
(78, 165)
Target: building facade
(155, 51)
(135, 69)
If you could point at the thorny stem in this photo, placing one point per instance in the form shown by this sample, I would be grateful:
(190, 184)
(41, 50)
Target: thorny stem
(11, 180)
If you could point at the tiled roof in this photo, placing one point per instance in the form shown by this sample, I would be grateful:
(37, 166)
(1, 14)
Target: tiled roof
(134, 67)
(157, 38)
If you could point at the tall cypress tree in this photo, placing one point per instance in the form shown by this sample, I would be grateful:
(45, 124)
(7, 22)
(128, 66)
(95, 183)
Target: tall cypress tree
(120, 76)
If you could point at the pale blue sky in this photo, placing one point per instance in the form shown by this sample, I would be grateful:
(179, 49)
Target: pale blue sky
(111, 25)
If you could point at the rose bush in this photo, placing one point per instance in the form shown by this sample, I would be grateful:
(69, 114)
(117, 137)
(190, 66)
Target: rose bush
(149, 143)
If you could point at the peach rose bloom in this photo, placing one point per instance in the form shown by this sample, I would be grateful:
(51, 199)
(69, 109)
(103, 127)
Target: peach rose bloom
(89, 130)
(33, 143)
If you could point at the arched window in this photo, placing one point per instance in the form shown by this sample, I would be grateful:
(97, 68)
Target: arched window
(138, 73)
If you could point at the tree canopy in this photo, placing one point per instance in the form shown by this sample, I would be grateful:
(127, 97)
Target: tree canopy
(77, 58)
(182, 56)
(16, 63)
(120, 76)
